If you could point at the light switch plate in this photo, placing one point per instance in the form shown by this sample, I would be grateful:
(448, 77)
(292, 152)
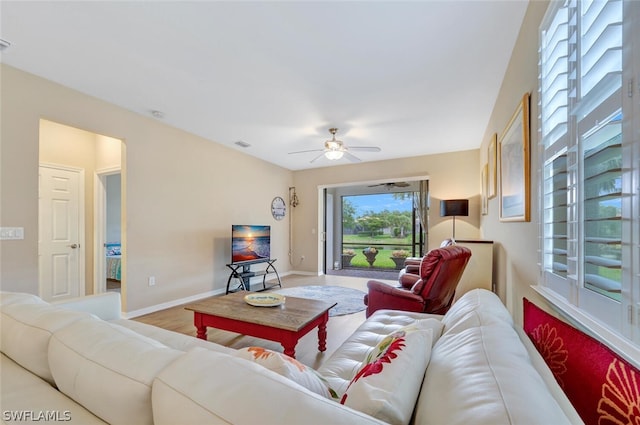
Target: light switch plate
(11, 233)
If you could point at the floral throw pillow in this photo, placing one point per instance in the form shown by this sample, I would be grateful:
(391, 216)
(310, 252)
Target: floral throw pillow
(289, 368)
(387, 387)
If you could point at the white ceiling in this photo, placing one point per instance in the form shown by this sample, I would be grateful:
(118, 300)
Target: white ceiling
(413, 78)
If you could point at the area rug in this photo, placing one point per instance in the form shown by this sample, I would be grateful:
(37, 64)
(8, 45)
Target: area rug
(349, 300)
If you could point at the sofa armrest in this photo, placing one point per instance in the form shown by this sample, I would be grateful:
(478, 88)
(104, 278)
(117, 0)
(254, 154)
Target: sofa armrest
(106, 306)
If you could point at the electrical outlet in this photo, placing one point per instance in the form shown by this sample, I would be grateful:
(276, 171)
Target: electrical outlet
(9, 233)
(302, 258)
(152, 280)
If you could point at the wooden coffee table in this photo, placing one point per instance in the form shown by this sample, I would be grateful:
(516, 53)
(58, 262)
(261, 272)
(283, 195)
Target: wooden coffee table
(286, 323)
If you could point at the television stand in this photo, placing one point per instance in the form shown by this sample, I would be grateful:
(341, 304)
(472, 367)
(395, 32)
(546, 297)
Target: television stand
(242, 272)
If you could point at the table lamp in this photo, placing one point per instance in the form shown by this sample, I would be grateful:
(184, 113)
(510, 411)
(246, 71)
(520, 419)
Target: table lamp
(453, 208)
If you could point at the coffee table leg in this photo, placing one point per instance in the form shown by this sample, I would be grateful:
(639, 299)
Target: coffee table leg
(201, 330)
(322, 333)
(289, 345)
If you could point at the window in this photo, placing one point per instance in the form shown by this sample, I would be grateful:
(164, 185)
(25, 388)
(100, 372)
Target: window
(590, 159)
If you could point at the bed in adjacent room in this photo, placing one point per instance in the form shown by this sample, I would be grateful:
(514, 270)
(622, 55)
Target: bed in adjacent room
(114, 265)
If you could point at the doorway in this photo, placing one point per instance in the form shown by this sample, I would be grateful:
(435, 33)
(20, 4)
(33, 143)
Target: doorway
(380, 216)
(61, 232)
(108, 230)
(66, 147)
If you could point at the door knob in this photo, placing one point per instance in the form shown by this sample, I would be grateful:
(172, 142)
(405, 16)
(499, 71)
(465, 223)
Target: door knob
(74, 245)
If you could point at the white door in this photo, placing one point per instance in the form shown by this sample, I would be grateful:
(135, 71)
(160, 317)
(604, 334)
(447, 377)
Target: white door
(61, 234)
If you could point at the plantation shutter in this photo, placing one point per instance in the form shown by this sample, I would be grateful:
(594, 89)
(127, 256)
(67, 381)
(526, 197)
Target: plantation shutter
(599, 131)
(554, 106)
(586, 177)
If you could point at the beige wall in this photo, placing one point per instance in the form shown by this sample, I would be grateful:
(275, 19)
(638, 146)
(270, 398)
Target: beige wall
(451, 175)
(516, 244)
(181, 193)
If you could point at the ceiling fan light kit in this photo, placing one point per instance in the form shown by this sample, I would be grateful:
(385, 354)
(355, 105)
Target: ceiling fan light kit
(335, 149)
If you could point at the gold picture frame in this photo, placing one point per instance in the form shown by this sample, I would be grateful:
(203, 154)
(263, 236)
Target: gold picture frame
(492, 160)
(485, 186)
(514, 158)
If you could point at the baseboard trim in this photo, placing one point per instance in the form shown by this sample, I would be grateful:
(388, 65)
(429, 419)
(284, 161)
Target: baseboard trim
(169, 304)
(304, 273)
(193, 298)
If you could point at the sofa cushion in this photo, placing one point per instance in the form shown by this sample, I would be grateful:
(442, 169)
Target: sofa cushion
(208, 387)
(26, 330)
(171, 339)
(108, 369)
(474, 305)
(26, 396)
(343, 364)
(387, 387)
(289, 368)
(488, 378)
(7, 298)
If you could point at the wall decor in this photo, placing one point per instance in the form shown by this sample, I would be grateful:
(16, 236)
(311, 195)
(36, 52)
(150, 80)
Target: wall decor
(492, 160)
(485, 187)
(278, 208)
(514, 156)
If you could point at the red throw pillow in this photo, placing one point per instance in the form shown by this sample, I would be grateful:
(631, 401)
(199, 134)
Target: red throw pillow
(603, 387)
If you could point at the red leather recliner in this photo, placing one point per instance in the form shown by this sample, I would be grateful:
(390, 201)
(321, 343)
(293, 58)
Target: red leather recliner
(410, 274)
(440, 272)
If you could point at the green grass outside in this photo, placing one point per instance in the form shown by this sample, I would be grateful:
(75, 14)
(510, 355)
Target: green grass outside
(366, 240)
(383, 259)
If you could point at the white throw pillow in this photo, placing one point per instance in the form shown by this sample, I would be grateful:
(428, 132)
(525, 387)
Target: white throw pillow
(388, 386)
(289, 368)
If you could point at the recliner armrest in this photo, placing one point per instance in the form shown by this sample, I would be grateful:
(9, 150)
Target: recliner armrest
(384, 296)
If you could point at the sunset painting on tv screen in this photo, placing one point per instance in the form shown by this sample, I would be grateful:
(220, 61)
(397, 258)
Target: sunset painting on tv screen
(250, 243)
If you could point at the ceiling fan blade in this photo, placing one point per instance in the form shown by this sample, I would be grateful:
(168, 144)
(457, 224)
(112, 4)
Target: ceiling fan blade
(311, 150)
(351, 158)
(365, 148)
(317, 157)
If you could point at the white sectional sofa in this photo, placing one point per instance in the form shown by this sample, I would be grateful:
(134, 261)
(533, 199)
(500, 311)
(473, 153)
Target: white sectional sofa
(79, 362)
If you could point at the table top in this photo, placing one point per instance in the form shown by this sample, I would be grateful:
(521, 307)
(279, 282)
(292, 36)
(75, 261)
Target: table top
(293, 314)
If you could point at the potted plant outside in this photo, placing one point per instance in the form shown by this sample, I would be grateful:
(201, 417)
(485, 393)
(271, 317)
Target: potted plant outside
(399, 256)
(347, 256)
(370, 253)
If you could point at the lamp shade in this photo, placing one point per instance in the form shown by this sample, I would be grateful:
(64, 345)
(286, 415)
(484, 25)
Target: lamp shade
(453, 207)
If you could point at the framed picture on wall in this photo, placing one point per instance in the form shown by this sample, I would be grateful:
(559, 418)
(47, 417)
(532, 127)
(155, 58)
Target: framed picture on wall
(492, 160)
(485, 186)
(514, 155)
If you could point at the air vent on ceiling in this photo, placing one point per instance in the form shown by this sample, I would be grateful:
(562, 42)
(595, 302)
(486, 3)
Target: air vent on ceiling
(4, 45)
(242, 144)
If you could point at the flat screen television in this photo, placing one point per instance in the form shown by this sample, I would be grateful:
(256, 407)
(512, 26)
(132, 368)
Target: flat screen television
(250, 243)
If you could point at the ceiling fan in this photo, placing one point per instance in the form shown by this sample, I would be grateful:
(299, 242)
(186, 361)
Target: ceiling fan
(335, 149)
(391, 184)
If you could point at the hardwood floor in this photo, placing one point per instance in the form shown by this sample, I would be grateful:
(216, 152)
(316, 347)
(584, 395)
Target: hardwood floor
(339, 328)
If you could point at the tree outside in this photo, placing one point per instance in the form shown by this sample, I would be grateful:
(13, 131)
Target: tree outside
(380, 221)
